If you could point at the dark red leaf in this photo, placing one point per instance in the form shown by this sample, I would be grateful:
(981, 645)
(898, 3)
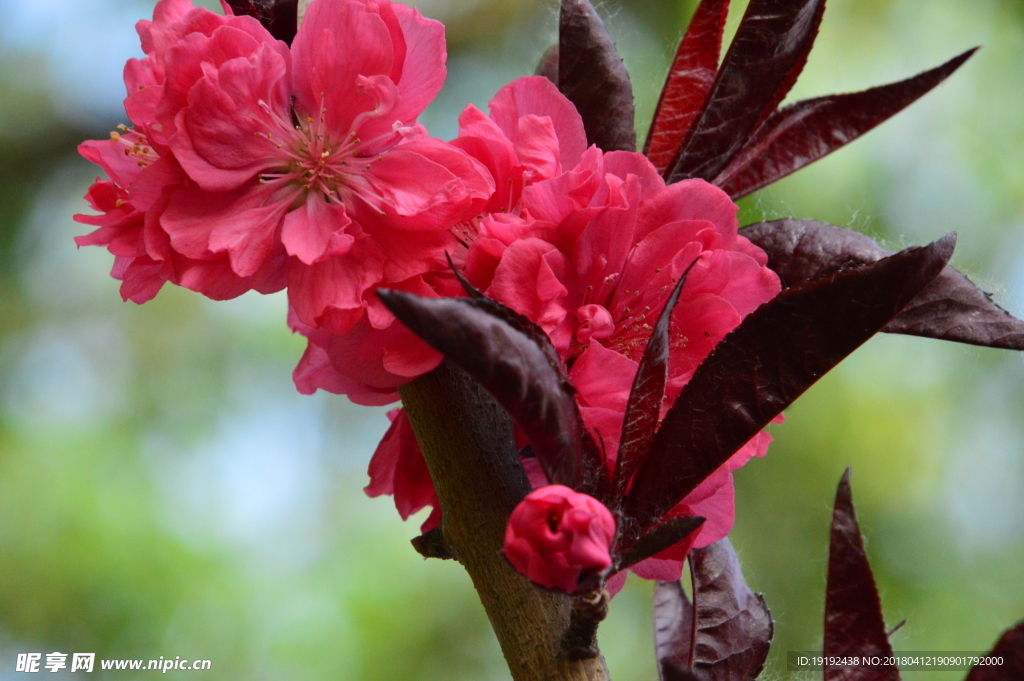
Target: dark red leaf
(511, 317)
(951, 308)
(669, 533)
(640, 421)
(673, 631)
(688, 83)
(591, 74)
(734, 627)
(280, 17)
(807, 33)
(769, 360)
(548, 64)
(516, 370)
(768, 52)
(800, 134)
(853, 612)
(1011, 648)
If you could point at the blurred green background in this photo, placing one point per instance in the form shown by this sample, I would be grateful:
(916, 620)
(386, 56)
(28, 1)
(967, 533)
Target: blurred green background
(164, 491)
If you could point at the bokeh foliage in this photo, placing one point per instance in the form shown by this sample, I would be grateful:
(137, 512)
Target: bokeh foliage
(164, 490)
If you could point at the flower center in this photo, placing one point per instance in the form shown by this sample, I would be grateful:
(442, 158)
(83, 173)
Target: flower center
(135, 145)
(634, 326)
(334, 165)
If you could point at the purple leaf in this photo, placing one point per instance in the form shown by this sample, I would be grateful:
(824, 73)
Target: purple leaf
(516, 369)
(591, 74)
(733, 630)
(673, 630)
(548, 64)
(640, 422)
(688, 83)
(853, 612)
(1011, 648)
(764, 60)
(512, 318)
(800, 134)
(951, 308)
(669, 533)
(769, 360)
(280, 17)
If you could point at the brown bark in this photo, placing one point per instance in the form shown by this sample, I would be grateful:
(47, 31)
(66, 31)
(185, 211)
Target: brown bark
(467, 441)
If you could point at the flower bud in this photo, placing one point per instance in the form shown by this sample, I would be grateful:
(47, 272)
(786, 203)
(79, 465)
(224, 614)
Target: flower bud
(555, 536)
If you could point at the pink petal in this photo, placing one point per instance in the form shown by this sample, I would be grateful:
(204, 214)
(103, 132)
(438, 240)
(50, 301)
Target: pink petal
(242, 223)
(315, 372)
(423, 70)
(430, 184)
(316, 230)
(410, 253)
(603, 377)
(216, 280)
(531, 280)
(691, 200)
(142, 280)
(720, 510)
(110, 155)
(397, 468)
(556, 199)
(385, 459)
(661, 570)
(657, 262)
(616, 582)
(193, 55)
(625, 163)
(225, 136)
(338, 42)
(537, 146)
(329, 293)
(538, 96)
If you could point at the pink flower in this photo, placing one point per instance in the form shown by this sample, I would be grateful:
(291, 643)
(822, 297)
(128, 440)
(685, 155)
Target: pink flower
(306, 164)
(592, 258)
(144, 173)
(593, 261)
(397, 468)
(556, 536)
(131, 203)
(600, 249)
(603, 378)
(533, 133)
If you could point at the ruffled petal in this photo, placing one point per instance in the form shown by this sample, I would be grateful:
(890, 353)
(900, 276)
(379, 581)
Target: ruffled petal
(691, 200)
(243, 224)
(531, 279)
(538, 96)
(423, 69)
(316, 230)
(236, 121)
(429, 184)
(329, 293)
(338, 42)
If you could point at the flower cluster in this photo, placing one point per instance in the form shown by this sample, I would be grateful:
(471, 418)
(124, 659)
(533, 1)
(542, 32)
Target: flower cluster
(591, 254)
(255, 165)
(252, 165)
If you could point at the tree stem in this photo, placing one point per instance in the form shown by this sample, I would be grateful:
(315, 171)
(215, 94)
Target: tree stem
(467, 441)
